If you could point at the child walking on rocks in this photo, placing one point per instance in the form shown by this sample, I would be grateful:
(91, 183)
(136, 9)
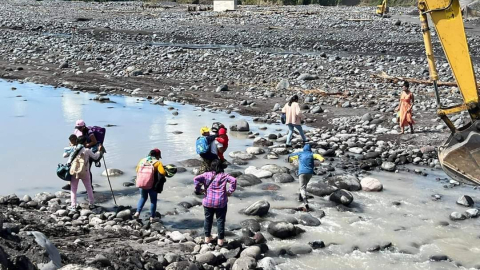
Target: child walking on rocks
(306, 163)
(216, 197)
(80, 170)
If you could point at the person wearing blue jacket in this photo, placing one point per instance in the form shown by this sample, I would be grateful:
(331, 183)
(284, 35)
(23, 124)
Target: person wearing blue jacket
(306, 163)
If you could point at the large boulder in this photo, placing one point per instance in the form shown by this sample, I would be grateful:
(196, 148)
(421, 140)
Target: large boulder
(208, 258)
(10, 199)
(253, 252)
(267, 263)
(309, 220)
(246, 180)
(347, 182)
(283, 178)
(342, 196)
(241, 155)
(254, 150)
(258, 172)
(283, 230)
(320, 189)
(251, 224)
(240, 125)
(245, 263)
(275, 168)
(371, 184)
(259, 208)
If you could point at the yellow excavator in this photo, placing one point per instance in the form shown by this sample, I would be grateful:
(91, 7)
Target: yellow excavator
(460, 155)
(382, 9)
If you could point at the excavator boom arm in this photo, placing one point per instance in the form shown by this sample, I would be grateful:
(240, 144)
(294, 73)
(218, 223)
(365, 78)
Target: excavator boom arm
(460, 155)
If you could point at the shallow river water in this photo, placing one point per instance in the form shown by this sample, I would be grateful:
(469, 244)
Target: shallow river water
(37, 120)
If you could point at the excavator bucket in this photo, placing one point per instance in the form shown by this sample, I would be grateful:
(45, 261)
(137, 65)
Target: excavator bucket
(460, 155)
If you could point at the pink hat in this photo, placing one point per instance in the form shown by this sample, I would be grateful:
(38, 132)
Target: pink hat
(80, 123)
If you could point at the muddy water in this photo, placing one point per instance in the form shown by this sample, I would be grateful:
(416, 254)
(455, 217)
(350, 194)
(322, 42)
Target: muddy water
(37, 121)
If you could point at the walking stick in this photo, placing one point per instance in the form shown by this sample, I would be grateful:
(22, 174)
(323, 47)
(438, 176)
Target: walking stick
(108, 177)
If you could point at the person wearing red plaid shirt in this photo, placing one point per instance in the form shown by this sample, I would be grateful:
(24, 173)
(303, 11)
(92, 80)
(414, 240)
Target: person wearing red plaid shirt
(214, 183)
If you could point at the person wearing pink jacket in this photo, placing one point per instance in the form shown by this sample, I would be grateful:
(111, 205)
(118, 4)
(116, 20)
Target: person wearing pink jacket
(294, 118)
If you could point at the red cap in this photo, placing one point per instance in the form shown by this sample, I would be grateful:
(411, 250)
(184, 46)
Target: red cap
(157, 152)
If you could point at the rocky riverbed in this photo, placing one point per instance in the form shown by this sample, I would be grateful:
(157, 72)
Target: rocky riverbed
(250, 61)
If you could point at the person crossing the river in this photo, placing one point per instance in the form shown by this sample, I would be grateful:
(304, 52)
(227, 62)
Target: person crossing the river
(80, 170)
(214, 183)
(306, 163)
(207, 147)
(147, 169)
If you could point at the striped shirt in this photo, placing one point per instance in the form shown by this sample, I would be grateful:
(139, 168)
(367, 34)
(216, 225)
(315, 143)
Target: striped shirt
(216, 194)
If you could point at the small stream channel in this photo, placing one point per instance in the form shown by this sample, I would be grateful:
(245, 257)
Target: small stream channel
(37, 120)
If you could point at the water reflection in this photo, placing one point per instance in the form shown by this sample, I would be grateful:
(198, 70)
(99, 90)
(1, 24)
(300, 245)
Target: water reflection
(72, 108)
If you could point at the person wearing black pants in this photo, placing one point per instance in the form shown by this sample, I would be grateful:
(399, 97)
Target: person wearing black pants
(214, 183)
(221, 214)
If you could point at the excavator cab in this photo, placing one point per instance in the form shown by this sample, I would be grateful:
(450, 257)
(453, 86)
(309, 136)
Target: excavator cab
(460, 155)
(382, 9)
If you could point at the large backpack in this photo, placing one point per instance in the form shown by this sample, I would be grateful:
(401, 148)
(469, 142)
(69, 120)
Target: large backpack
(99, 133)
(145, 175)
(202, 145)
(78, 168)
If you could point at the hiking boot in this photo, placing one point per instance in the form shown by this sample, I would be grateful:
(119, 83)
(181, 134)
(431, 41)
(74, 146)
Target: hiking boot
(92, 206)
(300, 199)
(67, 187)
(98, 164)
(307, 207)
(72, 208)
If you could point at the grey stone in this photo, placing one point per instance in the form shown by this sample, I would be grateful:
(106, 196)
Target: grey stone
(282, 229)
(472, 213)
(283, 178)
(259, 208)
(457, 216)
(317, 244)
(320, 189)
(388, 166)
(221, 88)
(309, 220)
(253, 252)
(125, 214)
(267, 263)
(345, 181)
(342, 196)
(283, 84)
(246, 180)
(466, 201)
(244, 263)
(299, 249)
(176, 236)
(208, 258)
(307, 77)
(240, 125)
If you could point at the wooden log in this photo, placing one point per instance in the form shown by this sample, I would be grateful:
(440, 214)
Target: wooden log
(396, 79)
